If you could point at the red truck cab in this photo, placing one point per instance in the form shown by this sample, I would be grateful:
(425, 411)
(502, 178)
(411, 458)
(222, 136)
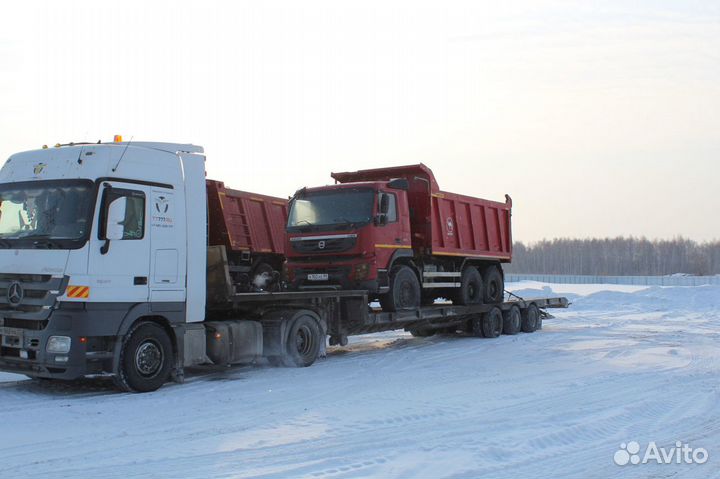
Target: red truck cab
(392, 232)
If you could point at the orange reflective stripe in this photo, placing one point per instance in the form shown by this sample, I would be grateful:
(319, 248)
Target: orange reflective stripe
(78, 292)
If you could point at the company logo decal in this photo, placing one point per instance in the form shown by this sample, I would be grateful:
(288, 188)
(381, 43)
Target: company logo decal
(161, 204)
(450, 226)
(15, 294)
(162, 216)
(37, 169)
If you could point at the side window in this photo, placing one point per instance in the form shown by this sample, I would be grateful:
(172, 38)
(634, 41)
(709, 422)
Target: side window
(134, 221)
(392, 206)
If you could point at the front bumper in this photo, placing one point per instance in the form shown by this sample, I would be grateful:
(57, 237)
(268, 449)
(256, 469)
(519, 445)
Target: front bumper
(23, 349)
(338, 277)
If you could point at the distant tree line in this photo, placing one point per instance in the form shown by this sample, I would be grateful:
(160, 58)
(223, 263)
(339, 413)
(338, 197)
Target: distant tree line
(616, 257)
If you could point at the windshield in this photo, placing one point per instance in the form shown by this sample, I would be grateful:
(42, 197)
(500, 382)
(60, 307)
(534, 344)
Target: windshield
(345, 207)
(45, 213)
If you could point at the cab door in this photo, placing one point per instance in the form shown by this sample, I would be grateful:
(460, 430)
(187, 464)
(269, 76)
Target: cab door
(390, 233)
(119, 267)
(167, 244)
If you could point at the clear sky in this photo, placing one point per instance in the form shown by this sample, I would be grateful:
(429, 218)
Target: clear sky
(598, 118)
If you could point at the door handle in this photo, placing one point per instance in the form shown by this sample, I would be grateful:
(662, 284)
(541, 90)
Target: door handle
(139, 280)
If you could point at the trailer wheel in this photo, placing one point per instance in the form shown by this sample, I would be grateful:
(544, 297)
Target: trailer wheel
(303, 342)
(145, 359)
(492, 323)
(530, 317)
(471, 287)
(512, 320)
(494, 285)
(404, 290)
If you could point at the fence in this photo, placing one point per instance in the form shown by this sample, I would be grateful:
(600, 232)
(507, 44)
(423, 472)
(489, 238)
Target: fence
(638, 280)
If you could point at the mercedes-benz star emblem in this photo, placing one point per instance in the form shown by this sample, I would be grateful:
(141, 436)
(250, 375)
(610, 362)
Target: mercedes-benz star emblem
(15, 294)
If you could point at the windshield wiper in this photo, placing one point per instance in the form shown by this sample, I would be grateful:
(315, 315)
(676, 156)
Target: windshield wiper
(42, 241)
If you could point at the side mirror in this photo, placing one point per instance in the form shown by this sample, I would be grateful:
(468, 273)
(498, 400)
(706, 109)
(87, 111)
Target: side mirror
(115, 227)
(380, 220)
(384, 204)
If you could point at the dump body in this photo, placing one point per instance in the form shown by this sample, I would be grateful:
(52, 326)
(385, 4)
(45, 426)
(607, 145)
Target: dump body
(444, 223)
(243, 221)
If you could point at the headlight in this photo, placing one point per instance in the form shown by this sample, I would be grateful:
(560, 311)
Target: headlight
(361, 271)
(58, 344)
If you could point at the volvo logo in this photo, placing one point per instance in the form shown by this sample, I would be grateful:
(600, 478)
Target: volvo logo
(15, 294)
(321, 244)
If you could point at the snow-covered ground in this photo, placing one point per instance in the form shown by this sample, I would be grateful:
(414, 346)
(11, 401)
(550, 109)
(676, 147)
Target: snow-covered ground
(624, 363)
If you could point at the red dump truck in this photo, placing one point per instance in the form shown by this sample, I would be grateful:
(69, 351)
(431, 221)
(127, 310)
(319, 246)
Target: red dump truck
(251, 227)
(393, 232)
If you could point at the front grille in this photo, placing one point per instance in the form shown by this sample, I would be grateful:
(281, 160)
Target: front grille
(34, 295)
(329, 244)
(33, 324)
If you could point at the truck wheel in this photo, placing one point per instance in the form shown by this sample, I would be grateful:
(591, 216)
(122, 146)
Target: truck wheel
(530, 318)
(494, 285)
(475, 326)
(471, 287)
(145, 360)
(404, 290)
(303, 342)
(512, 320)
(492, 323)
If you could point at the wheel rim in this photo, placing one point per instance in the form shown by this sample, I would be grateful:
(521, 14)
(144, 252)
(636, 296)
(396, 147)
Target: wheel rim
(148, 358)
(471, 291)
(304, 341)
(407, 294)
(493, 289)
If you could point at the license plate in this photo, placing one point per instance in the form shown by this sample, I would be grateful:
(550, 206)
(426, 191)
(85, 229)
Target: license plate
(318, 277)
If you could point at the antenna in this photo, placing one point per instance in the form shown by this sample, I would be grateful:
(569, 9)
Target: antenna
(123, 154)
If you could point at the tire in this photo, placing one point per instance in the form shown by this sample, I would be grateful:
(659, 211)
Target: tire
(145, 359)
(512, 321)
(475, 326)
(494, 286)
(530, 317)
(404, 291)
(423, 333)
(492, 323)
(302, 345)
(264, 284)
(471, 287)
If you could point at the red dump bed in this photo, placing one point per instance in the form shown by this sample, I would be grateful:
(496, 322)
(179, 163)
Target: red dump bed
(447, 224)
(245, 221)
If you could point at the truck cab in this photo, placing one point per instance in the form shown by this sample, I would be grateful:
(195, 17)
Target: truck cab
(343, 236)
(94, 237)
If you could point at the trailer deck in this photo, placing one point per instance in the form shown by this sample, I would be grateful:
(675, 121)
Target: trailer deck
(348, 313)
